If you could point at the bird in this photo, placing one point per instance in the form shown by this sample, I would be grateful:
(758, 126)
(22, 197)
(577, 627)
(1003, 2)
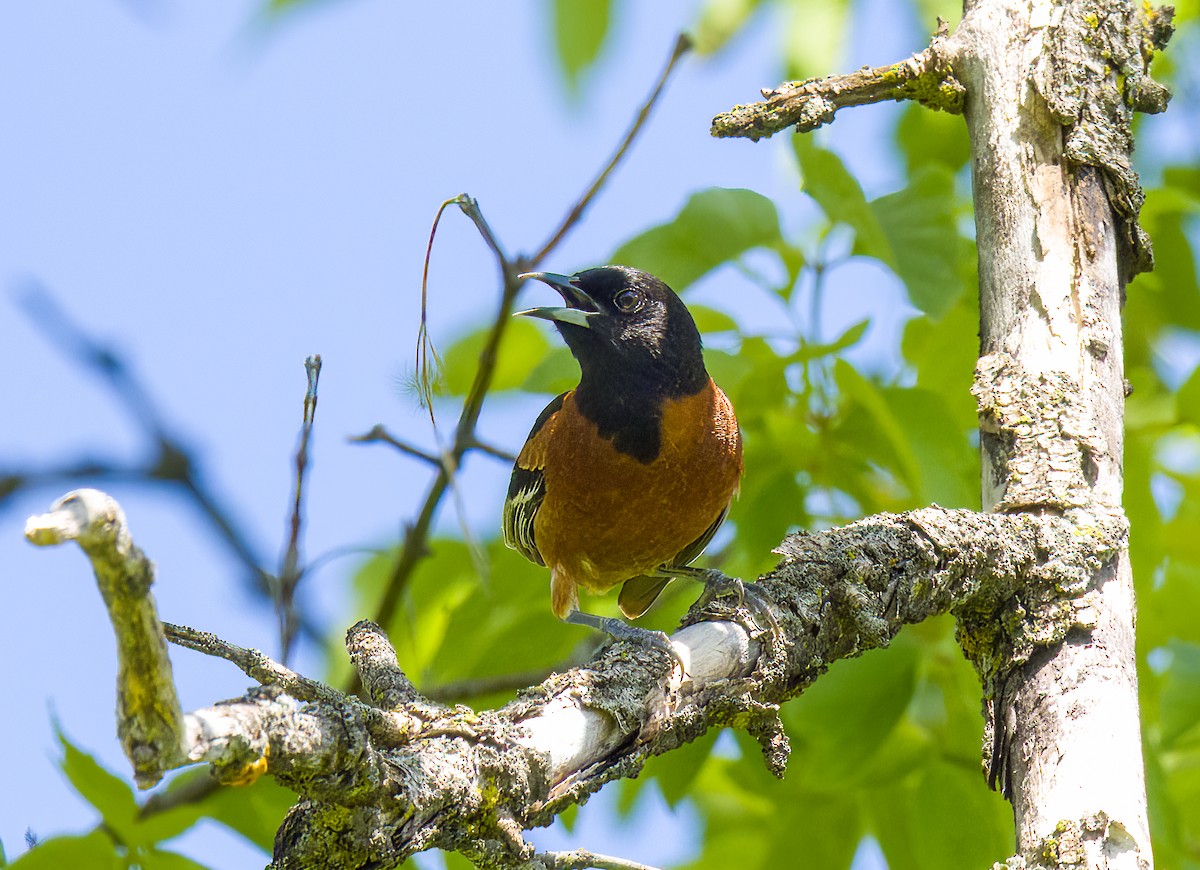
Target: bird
(624, 479)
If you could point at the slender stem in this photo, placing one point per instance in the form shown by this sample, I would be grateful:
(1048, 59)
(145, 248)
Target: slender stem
(290, 571)
(380, 435)
(415, 545)
(172, 461)
(683, 45)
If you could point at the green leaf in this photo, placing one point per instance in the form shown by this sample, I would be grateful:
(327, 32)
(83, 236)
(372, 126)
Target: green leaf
(676, 772)
(714, 226)
(843, 720)
(160, 826)
(883, 429)
(719, 21)
(275, 7)
(254, 811)
(108, 793)
(579, 30)
(942, 817)
(827, 180)
(946, 463)
(737, 807)
(160, 859)
(852, 336)
(556, 372)
(1187, 400)
(913, 231)
(455, 861)
(927, 136)
(501, 628)
(711, 320)
(95, 851)
(835, 815)
(814, 37)
(524, 345)
(1180, 699)
(919, 223)
(944, 353)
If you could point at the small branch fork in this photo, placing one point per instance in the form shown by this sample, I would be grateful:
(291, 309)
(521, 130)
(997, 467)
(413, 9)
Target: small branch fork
(398, 773)
(925, 76)
(446, 463)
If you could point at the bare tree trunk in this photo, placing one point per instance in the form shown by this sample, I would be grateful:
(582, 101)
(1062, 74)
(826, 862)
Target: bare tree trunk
(1053, 256)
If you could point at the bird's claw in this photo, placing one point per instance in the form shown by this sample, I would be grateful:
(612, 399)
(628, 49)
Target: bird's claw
(618, 629)
(720, 585)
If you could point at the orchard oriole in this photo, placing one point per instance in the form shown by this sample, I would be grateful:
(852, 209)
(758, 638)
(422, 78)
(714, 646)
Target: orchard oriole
(626, 478)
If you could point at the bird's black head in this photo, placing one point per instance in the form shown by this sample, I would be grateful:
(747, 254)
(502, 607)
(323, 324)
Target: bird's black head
(628, 330)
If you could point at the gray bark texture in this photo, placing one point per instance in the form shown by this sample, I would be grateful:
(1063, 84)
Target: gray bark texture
(1039, 583)
(1056, 204)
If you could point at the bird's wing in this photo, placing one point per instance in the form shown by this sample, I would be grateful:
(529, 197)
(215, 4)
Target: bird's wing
(526, 489)
(696, 547)
(638, 593)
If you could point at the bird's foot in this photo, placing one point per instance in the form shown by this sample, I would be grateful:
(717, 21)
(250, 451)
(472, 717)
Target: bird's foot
(720, 585)
(621, 630)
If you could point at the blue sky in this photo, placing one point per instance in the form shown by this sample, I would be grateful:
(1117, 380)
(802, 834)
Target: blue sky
(219, 200)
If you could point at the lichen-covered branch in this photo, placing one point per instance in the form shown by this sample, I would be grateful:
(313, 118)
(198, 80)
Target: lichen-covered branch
(383, 779)
(149, 719)
(925, 76)
(1094, 74)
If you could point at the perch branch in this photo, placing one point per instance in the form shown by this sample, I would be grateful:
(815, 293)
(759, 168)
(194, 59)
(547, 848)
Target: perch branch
(925, 76)
(384, 779)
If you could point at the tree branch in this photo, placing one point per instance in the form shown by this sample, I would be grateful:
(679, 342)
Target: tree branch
(414, 546)
(149, 718)
(171, 460)
(925, 76)
(683, 44)
(382, 780)
(290, 572)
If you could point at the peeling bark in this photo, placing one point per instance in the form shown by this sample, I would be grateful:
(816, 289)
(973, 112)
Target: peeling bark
(1056, 202)
(382, 780)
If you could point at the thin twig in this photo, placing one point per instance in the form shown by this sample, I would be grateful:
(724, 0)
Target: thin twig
(391, 727)
(172, 461)
(257, 665)
(582, 858)
(379, 434)
(415, 545)
(494, 451)
(429, 361)
(44, 311)
(463, 689)
(290, 571)
(925, 76)
(683, 44)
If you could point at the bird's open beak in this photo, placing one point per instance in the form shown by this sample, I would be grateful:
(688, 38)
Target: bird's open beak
(580, 306)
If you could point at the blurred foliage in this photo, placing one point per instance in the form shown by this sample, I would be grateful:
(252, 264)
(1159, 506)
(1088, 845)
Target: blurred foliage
(580, 27)
(887, 745)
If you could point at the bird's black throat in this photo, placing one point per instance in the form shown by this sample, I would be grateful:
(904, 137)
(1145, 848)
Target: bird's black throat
(627, 406)
(638, 349)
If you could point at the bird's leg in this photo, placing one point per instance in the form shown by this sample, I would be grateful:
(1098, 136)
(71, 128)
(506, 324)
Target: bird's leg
(717, 584)
(621, 630)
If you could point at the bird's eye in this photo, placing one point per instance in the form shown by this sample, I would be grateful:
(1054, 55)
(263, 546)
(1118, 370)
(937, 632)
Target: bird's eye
(628, 300)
